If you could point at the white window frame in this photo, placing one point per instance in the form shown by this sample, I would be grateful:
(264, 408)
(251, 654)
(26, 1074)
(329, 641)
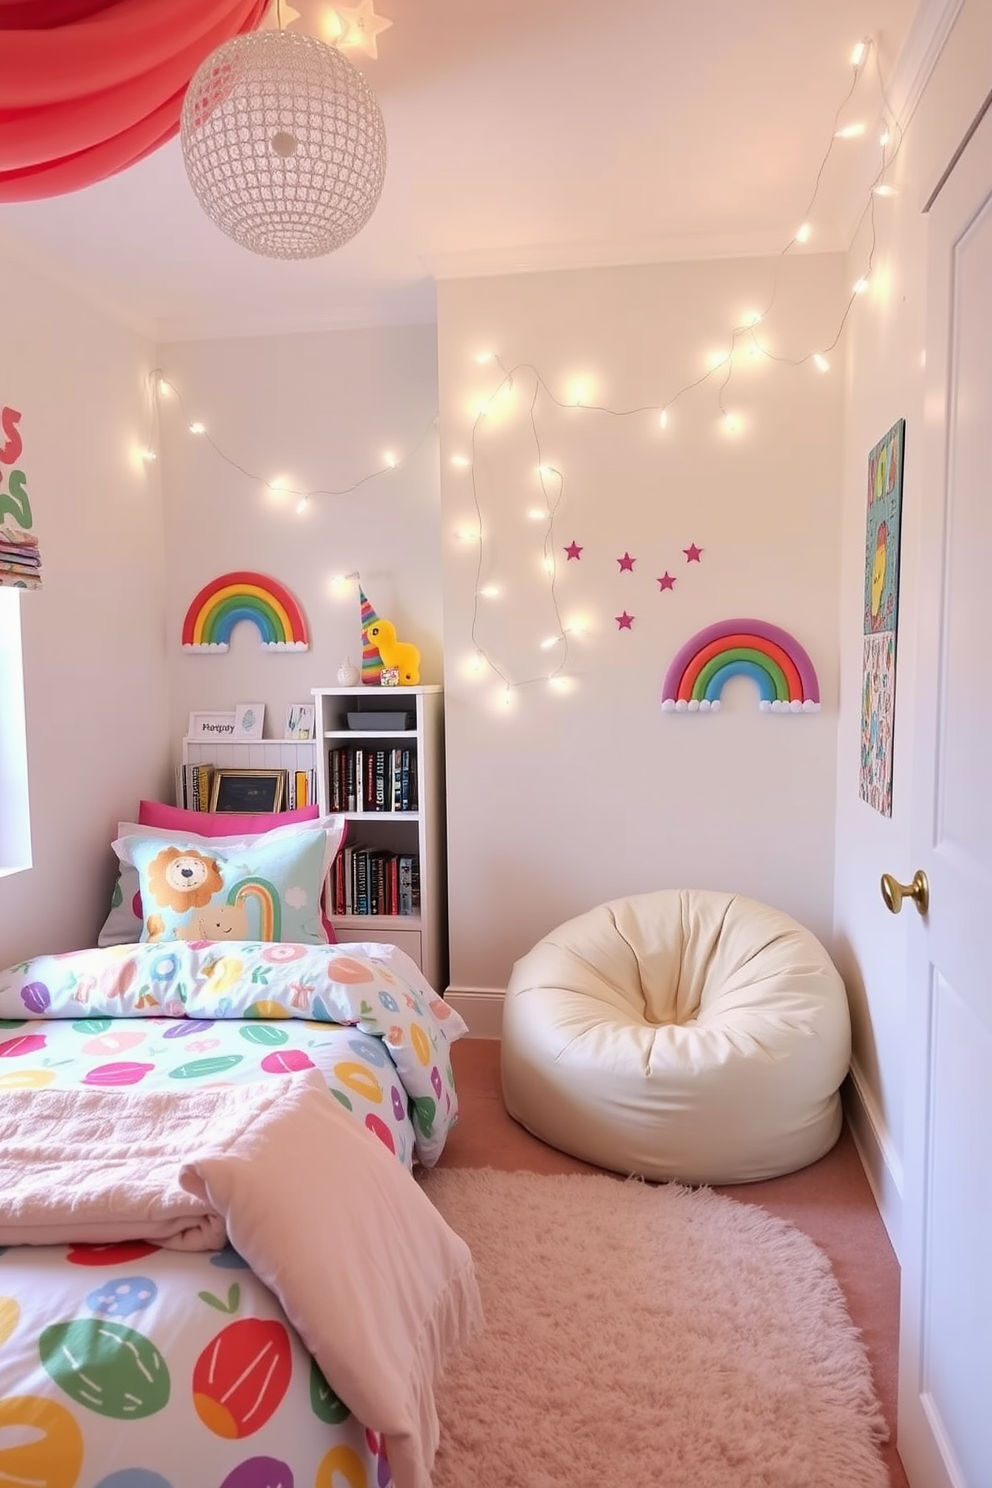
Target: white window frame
(15, 815)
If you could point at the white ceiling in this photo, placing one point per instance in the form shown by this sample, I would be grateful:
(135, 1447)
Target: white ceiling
(523, 134)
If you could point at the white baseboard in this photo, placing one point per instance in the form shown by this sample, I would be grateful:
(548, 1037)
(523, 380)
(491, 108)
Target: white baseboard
(879, 1160)
(481, 1007)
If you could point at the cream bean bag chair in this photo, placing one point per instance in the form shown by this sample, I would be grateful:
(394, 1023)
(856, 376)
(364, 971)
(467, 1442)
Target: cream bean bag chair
(686, 1035)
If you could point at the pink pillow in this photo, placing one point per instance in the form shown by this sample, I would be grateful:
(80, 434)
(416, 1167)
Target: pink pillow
(219, 823)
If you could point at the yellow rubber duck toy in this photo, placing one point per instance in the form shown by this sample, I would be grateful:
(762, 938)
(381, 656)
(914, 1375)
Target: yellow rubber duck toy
(400, 654)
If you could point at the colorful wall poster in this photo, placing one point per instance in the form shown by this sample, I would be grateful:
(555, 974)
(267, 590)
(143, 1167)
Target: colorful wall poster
(881, 613)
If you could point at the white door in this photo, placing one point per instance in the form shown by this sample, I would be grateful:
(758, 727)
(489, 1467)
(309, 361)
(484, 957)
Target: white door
(945, 1391)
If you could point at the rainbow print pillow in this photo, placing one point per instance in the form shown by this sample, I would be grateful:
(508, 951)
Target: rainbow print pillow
(266, 890)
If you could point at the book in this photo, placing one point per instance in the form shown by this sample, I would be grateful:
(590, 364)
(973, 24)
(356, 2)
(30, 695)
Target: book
(361, 886)
(342, 885)
(408, 780)
(348, 876)
(408, 883)
(379, 881)
(197, 780)
(340, 780)
(206, 775)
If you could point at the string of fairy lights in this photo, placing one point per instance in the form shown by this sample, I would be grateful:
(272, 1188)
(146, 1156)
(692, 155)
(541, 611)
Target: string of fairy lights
(163, 387)
(722, 365)
(744, 339)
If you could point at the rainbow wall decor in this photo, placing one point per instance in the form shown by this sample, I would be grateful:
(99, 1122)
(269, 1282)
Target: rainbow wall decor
(773, 658)
(225, 601)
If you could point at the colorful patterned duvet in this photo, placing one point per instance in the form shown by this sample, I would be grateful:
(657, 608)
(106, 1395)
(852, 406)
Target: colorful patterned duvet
(127, 1366)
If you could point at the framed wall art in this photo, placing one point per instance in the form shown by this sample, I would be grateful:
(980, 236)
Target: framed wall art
(248, 792)
(249, 720)
(881, 613)
(299, 721)
(210, 726)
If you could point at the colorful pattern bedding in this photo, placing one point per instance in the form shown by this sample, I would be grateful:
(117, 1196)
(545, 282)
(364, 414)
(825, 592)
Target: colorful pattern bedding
(128, 1366)
(196, 991)
(163, 1053)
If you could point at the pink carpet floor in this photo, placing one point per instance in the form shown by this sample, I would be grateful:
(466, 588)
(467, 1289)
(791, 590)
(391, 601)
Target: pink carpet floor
(830, 1201)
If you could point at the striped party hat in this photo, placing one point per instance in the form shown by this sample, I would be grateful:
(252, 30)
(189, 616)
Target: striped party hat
(371, 660)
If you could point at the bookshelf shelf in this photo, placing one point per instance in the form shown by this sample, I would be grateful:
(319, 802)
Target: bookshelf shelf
(354, 734)
(409, 766)
(404, 816)
(378, 922)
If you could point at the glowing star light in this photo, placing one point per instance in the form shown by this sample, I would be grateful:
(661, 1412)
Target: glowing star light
(692, 553)
(624, 621)
(359, 27)
(626, 563)
(574, 551)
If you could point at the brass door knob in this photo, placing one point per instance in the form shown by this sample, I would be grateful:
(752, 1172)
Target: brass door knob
(918, 889)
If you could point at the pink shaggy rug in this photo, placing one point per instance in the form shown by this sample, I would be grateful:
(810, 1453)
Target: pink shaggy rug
(648, 1337)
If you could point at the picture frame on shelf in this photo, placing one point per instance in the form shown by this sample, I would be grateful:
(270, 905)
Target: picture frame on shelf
(210, 726)
(248, 792)
(299, 722)
(249, 720)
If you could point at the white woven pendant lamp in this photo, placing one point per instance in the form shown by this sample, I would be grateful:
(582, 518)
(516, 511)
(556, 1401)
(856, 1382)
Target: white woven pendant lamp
(284, 144)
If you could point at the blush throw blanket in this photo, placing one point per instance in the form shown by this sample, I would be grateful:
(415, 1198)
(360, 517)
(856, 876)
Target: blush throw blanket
(379, 1287)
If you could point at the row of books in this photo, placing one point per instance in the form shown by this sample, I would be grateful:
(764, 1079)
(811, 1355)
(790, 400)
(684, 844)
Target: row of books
(194, 787)
(373, 881)
(372, 779)
(301, 789)
(20, 560)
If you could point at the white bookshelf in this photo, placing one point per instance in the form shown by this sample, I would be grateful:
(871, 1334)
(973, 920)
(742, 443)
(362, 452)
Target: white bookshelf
(424, 936)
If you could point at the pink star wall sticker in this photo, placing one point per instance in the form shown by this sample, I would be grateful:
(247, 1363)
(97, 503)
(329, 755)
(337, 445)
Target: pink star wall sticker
(624, 621)
(692, 553)
(626, 563)
(573, 550)
(666, 581)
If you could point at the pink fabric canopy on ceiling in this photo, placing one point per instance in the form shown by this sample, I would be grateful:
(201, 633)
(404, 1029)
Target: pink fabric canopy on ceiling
(89, 87)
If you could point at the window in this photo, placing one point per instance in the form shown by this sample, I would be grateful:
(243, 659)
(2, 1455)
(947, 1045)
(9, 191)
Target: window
(15, 824)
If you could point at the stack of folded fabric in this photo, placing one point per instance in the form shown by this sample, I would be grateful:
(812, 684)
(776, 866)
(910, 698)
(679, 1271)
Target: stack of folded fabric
(20, 560)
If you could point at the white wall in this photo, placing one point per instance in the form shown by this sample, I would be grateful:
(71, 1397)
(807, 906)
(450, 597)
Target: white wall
(887, 350)
(93, 637)
(557, 802)
(320, 410)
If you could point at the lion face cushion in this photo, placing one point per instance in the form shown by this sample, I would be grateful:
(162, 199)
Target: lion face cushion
(195, 890)
(124, 922)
